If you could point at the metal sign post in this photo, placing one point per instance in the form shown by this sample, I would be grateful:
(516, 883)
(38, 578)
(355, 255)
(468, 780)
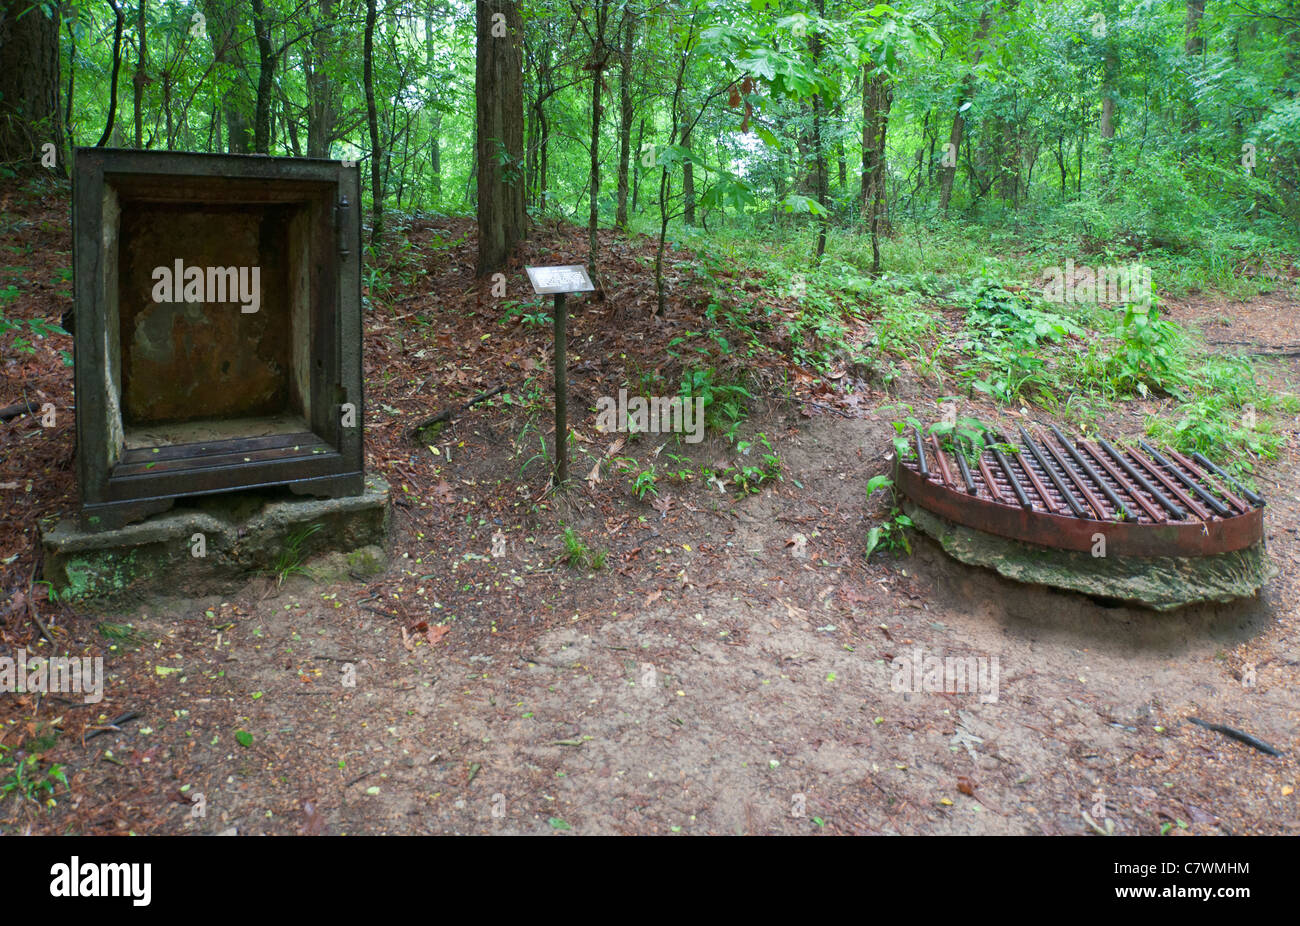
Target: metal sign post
(560, 281)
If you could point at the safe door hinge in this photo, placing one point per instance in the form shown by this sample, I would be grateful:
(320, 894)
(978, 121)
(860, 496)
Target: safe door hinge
(342, 210)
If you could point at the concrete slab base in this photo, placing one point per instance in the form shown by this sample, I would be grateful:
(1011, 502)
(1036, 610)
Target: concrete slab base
(217, 542)
(1161, 583)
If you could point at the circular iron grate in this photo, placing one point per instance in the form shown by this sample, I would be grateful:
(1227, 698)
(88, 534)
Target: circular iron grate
(1059, 493)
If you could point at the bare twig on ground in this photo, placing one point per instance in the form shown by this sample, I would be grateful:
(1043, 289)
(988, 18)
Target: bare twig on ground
(1237, 735)
(448, 413)
(113, 726)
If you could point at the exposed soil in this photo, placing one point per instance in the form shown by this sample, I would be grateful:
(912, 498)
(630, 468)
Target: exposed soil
(710, 679)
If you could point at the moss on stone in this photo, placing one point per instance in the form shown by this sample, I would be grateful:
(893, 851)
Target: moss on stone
(1161, 583)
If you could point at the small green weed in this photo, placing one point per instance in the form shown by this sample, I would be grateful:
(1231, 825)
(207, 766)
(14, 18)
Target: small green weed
(290, 559)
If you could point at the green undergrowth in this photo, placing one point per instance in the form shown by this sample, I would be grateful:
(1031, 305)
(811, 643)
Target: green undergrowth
(1078, 361)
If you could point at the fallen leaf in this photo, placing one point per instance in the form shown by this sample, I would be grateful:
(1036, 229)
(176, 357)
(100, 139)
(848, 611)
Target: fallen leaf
(662, 505)
(436, 633)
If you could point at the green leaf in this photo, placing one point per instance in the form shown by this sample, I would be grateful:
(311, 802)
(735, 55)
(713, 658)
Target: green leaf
(558, 824)
(878, 482)
(245, 738)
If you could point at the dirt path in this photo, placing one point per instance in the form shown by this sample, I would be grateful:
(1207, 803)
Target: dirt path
(720, 686)
(709, 680)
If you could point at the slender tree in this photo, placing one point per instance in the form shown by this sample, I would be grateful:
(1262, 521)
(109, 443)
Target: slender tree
(29, 93)
(499, 123)
(372, 120)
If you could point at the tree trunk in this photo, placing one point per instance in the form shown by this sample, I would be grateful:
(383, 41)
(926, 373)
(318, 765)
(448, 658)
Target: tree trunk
(435, 156)
(543, 156)
(141, 78)
(1194, 43)
(117, 65)
(372, 120)
(321, 115)
(1109, 90)
(665, 181)
(1194, 48)
(499, 123)
(920, 153)
(72, 86)
(877, 97)
(1060, 162)
(636, 174)
(599, 58)
(688, 182)
(266, 61)
(625, 117)
(819, 144)
(435, 127)
(841, 159)
(290, 123)
(949, 171)
(228, 62)
(29, 94)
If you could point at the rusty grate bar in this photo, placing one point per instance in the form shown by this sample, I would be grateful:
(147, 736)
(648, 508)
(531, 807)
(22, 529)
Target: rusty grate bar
(1172, 487)
(1218, 507)
(1250, 496)
(1122, 481)
(1142, 481)
(965, 470)
(1079, 481)
(1188, 465)
(1016, 487)
(989, 482)
(1121, 510)
(1061, 487)
(1048, 501)
(942, 461)
(1056, 491)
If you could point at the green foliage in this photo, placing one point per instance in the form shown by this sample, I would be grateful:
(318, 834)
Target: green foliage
(967, 436)
(1151, 353)
(1226, 414)
(1006, 338)
(749, 479)
(724, 403)
(289, 561)
(643, 483)
(24, 331)
(531, 312)
(579, 555)
(891, 533)
(30, 776)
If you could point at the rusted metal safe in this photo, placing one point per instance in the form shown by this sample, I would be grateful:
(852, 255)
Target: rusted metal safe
(218, 328)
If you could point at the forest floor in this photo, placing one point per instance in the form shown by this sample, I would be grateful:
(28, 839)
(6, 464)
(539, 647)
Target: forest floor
(707, 680)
